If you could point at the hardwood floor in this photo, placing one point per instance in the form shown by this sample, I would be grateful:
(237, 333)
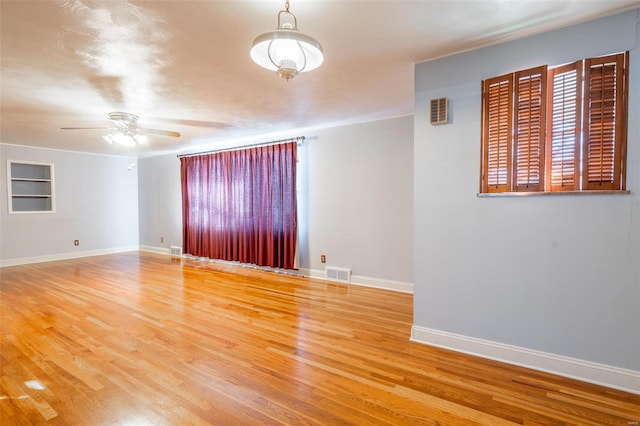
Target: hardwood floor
(143, 339)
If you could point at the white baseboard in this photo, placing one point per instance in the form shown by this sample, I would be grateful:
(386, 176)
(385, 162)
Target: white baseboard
(600, 374)
(311, 273)
(400, 286)
(64, 256)
(153, 249)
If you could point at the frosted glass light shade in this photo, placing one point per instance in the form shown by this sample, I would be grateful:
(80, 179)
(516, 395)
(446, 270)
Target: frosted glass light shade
(287, 49)
(121, 139)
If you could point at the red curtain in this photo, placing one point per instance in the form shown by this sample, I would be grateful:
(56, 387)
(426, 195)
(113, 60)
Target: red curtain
(241, 205)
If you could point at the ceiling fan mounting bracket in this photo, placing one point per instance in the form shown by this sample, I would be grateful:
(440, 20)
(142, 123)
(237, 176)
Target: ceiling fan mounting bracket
(125, 120)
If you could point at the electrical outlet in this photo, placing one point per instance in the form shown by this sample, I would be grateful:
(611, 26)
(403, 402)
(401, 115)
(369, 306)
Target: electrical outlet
(162, 239)
(76, 242)
(323, 258)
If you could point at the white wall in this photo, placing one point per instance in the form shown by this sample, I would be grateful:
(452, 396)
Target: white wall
(569, 284)
(96, 203)
(355, 201)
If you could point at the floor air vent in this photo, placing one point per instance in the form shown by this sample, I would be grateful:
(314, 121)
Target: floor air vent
(338, 274)
(176, 251)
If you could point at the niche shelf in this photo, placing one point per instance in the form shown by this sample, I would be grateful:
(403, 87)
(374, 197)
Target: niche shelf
(30, 187)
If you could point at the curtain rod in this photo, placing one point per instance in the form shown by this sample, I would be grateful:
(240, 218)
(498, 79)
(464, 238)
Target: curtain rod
(193, 154)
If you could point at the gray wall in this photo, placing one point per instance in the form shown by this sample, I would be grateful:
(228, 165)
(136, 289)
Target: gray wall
(561, 285)
(96, 203)
(355, 200)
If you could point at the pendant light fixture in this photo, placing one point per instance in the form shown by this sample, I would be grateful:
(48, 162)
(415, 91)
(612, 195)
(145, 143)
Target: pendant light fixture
(285, 50)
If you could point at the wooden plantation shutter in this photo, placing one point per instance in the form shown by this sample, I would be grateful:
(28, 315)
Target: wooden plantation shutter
(563, 127)
(497, 94)
(529, 134)
(559, 129)
(604, 123)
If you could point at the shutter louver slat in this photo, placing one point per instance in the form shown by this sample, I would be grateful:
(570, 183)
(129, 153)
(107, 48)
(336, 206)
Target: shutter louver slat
(603, 101)
(563, 145)
(530, 93)
(497, 134)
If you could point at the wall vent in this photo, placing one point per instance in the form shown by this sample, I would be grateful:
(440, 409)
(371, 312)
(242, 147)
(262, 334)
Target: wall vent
(439, 111)
(338, 274)
(176, 251)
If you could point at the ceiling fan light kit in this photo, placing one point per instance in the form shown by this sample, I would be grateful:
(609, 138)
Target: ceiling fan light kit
(286, 50)
(125, 139)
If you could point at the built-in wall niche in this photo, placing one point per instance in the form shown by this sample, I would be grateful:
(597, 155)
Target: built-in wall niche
(30, 187)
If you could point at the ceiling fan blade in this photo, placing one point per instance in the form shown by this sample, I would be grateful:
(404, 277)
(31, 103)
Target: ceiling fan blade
(193, 123)
(84, 128)
(159, 132)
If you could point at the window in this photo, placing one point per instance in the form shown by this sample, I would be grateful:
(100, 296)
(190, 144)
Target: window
(30, 187)
(556, 129)
(241, 205)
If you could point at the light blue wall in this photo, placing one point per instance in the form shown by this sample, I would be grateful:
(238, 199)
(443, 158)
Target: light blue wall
(96, 203)
(569, 282)
(160, 202)
(359, 199)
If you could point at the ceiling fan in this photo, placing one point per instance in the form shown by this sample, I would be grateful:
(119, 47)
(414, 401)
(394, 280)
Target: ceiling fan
(125, 130)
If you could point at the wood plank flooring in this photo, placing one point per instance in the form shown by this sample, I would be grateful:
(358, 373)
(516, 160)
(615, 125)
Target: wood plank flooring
(144, 339)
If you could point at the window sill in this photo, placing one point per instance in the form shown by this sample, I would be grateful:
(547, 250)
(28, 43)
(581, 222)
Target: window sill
(535, 194)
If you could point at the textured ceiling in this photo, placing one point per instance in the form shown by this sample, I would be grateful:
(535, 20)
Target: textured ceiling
(185, 66)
